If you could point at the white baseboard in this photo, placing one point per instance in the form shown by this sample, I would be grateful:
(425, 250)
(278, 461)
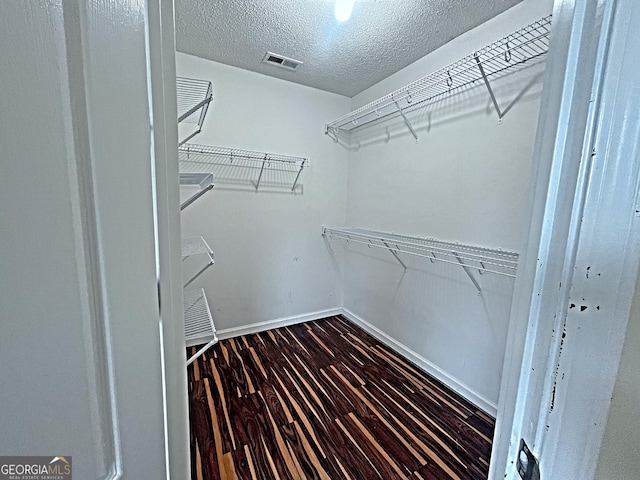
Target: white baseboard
(280, 322)
(457, 386)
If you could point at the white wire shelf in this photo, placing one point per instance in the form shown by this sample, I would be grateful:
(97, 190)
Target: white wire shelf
(469, 257)
(198, 322)
(492, 61)
(205, 157)
(194, 97)
(197, 246)
(202, 182)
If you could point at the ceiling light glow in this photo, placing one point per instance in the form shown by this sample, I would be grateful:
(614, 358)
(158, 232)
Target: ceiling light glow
(343, 9)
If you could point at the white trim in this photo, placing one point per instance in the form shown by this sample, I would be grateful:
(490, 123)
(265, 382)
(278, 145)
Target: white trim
(582, 219)
(542, 284)
(608, 243)
(430, 368)
(280, 322)
(161, 78)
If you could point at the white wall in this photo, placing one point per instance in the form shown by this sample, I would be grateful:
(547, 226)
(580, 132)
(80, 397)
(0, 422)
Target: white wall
(271, 260)
(619, 457)
(464, 180)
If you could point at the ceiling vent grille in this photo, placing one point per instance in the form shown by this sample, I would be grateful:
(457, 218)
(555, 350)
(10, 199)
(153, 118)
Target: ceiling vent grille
(281, 61)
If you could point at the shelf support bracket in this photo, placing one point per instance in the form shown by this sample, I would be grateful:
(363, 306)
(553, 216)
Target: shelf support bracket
(486, 82)
(182, 142)
(202, 270)
(331, 133)
(196, 196)
(195, 108)
(468, 272)
(406, 120)
(295, 182)
(261, 170)
(393, 252)
(203, 349)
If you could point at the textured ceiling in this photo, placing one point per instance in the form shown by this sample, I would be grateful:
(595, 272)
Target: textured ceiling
(382, 36)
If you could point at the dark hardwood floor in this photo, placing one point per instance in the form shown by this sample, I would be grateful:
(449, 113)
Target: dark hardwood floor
(325, 400)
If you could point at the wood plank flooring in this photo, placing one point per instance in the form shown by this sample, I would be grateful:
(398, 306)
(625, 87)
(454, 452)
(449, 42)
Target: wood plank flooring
(325, 400)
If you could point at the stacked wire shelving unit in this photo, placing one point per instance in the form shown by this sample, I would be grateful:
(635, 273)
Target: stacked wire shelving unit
(500, 58)
(193, 99)
(197, 165)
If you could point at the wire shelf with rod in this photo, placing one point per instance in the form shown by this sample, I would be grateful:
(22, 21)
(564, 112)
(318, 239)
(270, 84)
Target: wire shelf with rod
(198, 322)
(270, 169)
(194, 247)
(493, 61)
(194, 97)
(469, 257)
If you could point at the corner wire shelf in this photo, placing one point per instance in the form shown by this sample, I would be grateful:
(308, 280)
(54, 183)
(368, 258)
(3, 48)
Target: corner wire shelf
(194, 97)
(202, 181)
(203, 156)
(196, 246)
(469, 257)
(198, 322)
(498, 58)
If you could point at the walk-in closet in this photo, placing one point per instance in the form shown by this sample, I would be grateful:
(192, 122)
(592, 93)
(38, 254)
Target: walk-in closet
(320, 239)
(397, 210)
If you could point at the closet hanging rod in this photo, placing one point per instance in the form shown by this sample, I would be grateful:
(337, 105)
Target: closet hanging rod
(511, 51)
(394, 248)
(429, 243)
(458, 75)
(467, 256)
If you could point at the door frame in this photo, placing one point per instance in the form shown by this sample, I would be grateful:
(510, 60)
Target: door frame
(547, 368)
(160, 39)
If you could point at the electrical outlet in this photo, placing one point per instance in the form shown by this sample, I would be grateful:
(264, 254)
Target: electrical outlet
(527, 463)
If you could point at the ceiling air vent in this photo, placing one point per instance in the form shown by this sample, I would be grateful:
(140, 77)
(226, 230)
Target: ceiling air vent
(281, 61)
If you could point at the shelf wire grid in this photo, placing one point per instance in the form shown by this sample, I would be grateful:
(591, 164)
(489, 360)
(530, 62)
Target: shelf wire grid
(201, 180)
(496, 59)
(194, 157)
(193, 98)
(198, 322)
(500, 262)
(207, 154)
(195, 246)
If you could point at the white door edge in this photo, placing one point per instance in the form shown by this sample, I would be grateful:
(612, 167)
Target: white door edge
(552, 395)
